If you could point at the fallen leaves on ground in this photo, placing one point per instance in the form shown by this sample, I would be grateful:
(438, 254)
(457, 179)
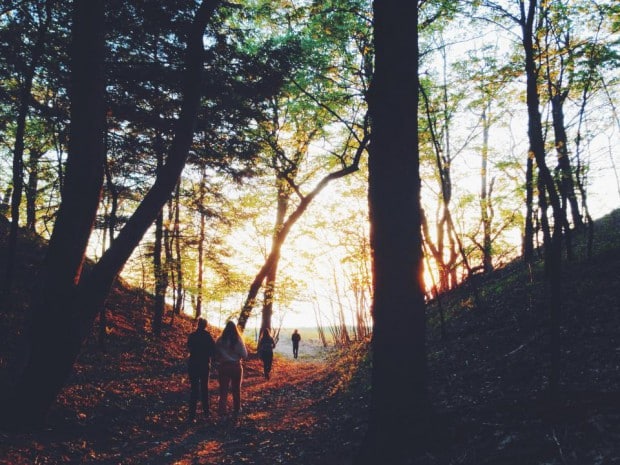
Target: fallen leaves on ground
(135, 412)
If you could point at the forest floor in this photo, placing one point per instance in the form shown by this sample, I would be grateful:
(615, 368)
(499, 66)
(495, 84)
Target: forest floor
(488, 369)
(137, 414)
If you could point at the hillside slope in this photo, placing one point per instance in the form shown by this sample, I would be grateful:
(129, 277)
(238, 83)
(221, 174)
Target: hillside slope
(128, 311)
(489, 372)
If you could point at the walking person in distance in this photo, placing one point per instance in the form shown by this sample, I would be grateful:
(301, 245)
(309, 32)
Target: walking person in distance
(266, 344)
(296, 337)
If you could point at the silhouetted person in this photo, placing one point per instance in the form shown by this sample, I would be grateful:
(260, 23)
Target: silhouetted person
(230, 351)
(201, 348)
(296, 337)
(265, 348)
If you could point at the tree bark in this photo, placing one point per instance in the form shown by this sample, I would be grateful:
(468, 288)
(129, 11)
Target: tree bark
(547, 194)
(284, 193)
(567, 184)
(53, 331)
(399, 409)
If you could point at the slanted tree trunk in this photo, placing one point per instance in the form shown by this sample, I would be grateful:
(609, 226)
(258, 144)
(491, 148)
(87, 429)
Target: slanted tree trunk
(282, 233)
(65, 303)
(284, 193)
(399, 410)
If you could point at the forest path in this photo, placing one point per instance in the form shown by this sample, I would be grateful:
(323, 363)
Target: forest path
(279, 417)
(139, 416)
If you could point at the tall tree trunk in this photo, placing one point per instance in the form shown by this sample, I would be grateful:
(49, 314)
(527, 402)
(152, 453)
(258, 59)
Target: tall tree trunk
(446, 266)
(579, 178)
(567, 184)
(160, 278)
(32, 189)
(284, 192)
(113, 194)
(486, 212)
(528, 232)
(399, 410)
(201, 242)
(552, 240)
(169, 266)
(18, 149)
(160, 274)
(65, 303)
(269, 295)
(54, 339)
(178, 262)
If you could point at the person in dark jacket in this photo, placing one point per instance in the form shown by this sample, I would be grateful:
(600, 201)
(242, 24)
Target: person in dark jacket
(265, 348)
(295, 338)
(201, 348)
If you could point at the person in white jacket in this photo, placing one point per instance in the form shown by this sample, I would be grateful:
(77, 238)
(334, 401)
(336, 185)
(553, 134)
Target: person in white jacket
(230, 351)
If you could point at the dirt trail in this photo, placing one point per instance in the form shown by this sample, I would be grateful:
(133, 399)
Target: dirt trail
(279, 417)
(138, 417)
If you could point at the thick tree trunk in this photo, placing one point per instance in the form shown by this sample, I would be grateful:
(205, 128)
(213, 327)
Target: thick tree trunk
(54, 337)
(269, 295)
(399, 410)
(284, 192)
(65, 304)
